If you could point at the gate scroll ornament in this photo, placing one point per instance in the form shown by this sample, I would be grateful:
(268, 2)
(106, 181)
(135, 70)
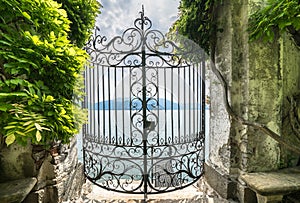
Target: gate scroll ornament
(145, 101)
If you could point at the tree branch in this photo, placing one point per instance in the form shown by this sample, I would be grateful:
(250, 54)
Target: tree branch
(242, 121)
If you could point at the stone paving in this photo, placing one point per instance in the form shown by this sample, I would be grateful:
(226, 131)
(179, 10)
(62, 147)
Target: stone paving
(191, 194)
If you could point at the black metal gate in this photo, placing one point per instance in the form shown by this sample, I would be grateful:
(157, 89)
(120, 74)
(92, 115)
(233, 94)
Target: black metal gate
(145, 101)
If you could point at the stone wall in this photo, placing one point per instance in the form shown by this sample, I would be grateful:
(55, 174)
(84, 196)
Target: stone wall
(59, 174)
(16, 162)
(260, 76)
(289, 63)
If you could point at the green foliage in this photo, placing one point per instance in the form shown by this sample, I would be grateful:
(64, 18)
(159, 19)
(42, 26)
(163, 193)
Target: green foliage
(196, 22)
(82, 15)
(42, 115)
(40, 71)
(282, 15)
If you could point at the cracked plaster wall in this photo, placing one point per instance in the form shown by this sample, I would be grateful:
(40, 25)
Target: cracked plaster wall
(260, 76)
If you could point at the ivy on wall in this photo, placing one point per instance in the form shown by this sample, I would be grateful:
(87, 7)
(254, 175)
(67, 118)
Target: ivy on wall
(276, 15)
(41, 60)
(196, 22)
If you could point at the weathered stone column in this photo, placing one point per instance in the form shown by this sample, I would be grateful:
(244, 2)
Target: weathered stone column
(222, 165)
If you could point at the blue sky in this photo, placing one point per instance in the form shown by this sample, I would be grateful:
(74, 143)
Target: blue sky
(118, 15)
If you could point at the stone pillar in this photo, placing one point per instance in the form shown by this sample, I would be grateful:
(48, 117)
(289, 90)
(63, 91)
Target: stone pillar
(222, 165)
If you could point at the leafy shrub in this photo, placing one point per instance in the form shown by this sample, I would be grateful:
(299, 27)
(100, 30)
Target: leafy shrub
(40, 70)
(196, 22)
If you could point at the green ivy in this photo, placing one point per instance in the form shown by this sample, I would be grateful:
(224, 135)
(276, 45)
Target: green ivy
(40, 69)
(276, 15)
(196, 22)
(82, 15)
(43, 119)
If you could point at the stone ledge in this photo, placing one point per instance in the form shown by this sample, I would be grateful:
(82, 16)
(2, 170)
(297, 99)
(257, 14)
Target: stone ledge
(273, 184)
(16, 190)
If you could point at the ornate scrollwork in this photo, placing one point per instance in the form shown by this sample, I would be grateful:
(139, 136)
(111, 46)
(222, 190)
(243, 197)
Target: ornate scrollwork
(144, 156)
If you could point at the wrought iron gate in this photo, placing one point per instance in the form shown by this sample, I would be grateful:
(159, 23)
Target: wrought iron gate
(145, 101)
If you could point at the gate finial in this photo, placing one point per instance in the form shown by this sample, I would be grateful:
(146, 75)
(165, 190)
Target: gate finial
(142, 12)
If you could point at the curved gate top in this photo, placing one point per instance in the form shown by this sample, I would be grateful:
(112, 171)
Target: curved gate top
(145, 101)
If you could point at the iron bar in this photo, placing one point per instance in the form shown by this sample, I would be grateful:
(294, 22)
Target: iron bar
(165, 108)
(93, 106)
(194, 109)
(178, 104)
(98, 103)
(103, 105)
(201, 100)
(197, 100)
(115, 106)
(144, 104)
(172, 109)
(123, 109)
(158, 108)
(90, 99)
(130, 109)
(189, 92)
(184, 106)
(203, 95)
(109, 105)
(85, 106)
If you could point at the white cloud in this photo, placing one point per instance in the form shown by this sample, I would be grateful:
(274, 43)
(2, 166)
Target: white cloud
(118, 15)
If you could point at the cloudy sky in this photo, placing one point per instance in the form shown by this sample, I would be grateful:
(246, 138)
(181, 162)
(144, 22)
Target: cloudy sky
(118, 15)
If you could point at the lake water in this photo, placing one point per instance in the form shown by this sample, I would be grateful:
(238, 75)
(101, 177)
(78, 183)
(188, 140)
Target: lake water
(118, 125)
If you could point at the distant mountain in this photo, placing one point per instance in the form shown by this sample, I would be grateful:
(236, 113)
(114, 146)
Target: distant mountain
(136, 104)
